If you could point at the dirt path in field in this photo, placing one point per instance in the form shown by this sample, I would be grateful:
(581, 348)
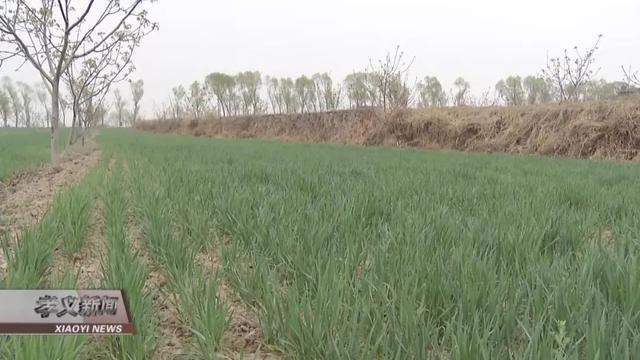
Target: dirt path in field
(27, 196)
(243, 337)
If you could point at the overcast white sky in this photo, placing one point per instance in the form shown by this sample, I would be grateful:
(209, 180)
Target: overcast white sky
(482, 41)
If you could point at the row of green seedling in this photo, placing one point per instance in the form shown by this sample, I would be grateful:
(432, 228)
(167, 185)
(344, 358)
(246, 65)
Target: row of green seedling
(194, 292)
(65, 226)
(341, 275)
(123, 267)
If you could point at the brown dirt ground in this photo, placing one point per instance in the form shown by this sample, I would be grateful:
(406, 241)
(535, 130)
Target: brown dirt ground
(27, 196)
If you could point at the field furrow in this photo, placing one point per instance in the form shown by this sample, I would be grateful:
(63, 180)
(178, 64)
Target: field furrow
(243, 337)
(28, 197)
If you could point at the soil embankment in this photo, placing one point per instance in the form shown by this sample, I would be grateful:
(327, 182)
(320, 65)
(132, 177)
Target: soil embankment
(602, 130)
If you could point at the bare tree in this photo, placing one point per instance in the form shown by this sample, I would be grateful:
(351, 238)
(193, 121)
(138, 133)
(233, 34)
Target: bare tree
(101, 111)
(487, 98)
(43, 99)
(55, 34)
(305, 90)
(511, 91)
(249, 83)
(569, 73)
(389, 76)
(121, 107)
(89, 83)
(358, 92)
(85, 84)
(430, 93)
(288, 95)
(596, 90)
(537, 90)
(178, 95)
(26, 94)
(14, 98)
(161, 112)
(90, 80)
(223, 87)
(400, 94)
(64, 106)
(632, 78)
(462, 91)
(275, 100)
(328, 97)
(137, 91)
(196, 100)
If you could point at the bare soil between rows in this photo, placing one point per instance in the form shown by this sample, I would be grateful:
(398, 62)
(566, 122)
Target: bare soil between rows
(27, 196)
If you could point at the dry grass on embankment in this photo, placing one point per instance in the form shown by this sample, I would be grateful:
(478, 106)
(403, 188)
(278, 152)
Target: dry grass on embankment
(591, 130)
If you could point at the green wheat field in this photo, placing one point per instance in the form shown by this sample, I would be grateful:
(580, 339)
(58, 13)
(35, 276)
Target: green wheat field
(346, 252)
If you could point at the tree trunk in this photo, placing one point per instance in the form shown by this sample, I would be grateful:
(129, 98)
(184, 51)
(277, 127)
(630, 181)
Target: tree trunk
(82, 126)
(55, 118)
(74, 122)
(135, 116)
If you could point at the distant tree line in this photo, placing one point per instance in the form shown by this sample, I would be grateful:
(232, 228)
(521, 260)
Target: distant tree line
(250, 93)
(515, 91)
(22, 104)
(25, 105)
(86, 98)
(384, 84)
